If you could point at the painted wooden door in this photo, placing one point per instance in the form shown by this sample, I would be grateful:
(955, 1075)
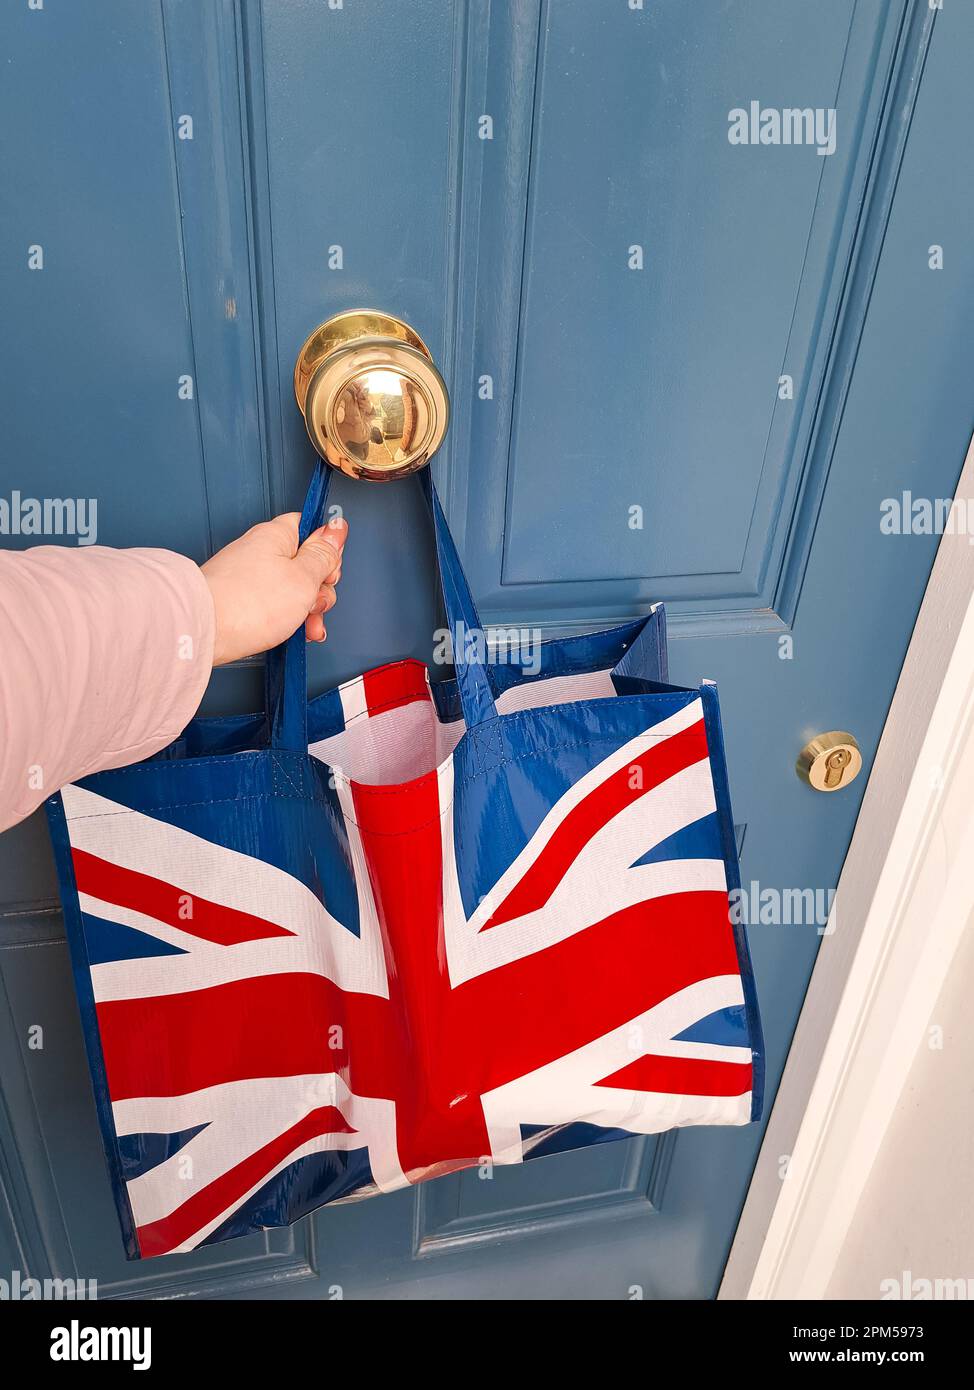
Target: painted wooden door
(699, 277)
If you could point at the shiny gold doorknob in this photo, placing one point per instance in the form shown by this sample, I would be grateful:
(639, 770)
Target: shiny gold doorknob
(829, 762)
(374, 404)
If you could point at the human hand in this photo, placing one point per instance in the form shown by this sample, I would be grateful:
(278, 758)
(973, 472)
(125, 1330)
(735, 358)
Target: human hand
(264, 585)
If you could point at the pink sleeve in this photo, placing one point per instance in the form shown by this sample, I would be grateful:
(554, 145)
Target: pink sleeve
(104, 657)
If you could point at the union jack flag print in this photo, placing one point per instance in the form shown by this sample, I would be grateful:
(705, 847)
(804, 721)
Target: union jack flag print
(403, 929)
(243, 1022)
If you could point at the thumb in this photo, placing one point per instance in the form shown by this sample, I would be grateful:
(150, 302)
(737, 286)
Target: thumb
(321, 553)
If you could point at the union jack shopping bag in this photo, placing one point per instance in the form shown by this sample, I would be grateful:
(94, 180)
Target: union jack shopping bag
(403, 928)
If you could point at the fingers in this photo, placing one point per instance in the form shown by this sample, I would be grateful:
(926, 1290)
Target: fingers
(314, 628)
(338, 527)
(321, 554)
(326, 599)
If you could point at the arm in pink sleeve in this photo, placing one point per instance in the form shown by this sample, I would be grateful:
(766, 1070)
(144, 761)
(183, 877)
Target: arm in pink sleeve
(104, 657)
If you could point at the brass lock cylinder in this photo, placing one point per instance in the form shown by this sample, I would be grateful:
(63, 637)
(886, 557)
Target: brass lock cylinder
(829, 762)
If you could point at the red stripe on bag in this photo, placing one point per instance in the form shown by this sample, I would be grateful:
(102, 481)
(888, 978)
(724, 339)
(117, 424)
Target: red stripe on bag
(224, 926)
(229, 1190)
(472, 1038)
(388, 687)
(687, 1076)
(658, 763)
(432, 1049)
(440, 1122)
(270, 1025)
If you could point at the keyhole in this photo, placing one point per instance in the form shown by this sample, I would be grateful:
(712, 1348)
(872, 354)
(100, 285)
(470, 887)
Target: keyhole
(835, 766)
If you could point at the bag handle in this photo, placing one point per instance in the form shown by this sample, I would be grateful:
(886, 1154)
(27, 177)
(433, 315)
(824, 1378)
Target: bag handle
(286, 668)
(473, 676)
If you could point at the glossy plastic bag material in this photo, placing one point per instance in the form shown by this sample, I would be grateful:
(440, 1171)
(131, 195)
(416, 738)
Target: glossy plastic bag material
(407, 927)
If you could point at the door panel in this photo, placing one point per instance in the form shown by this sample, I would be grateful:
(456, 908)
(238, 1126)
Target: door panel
(336, 160)
(88, 160)
(667, 379)
(723, 239)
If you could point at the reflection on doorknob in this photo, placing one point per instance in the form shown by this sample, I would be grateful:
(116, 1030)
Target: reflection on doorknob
(830, 761)
(374, 404)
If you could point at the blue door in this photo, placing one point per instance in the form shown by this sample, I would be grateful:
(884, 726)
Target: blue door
(699, 278)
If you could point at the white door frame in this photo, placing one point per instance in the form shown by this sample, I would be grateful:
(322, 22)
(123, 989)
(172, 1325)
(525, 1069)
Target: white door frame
(903, 899)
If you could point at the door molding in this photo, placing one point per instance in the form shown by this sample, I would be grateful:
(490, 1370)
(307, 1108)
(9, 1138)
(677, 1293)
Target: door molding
(885, 55)
(903, 900)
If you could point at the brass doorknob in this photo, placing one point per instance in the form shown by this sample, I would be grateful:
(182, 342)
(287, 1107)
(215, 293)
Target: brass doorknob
(373, 402)
(829, 762)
